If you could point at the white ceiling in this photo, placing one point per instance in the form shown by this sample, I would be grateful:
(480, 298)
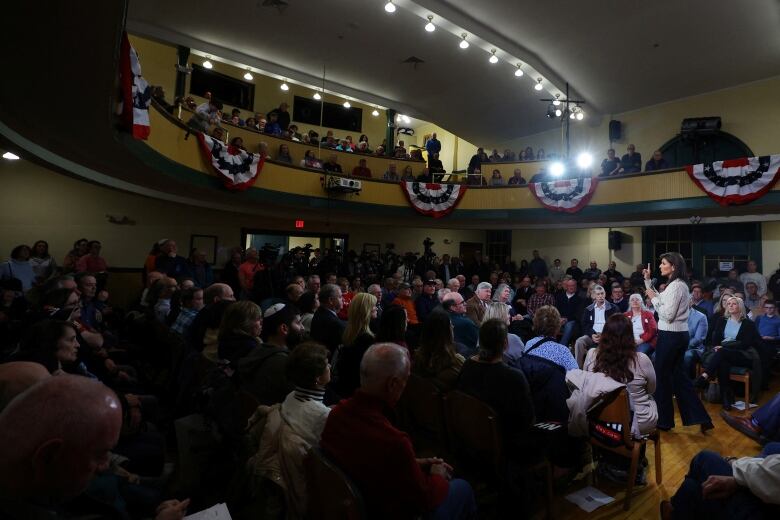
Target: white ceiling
(617, 54)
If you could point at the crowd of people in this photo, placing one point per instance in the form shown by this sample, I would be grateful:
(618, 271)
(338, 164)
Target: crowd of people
(323, 343)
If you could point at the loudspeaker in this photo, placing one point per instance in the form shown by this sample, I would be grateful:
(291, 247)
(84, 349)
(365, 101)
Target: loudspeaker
(614, 239)
(615, 130)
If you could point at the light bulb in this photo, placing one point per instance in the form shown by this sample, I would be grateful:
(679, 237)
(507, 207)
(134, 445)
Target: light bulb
(284, 86)
(538, 85)
(207, 64)
(347, 105)
(571, 116)
(463, 43)
(429, 26)
(248, 76)
(10, 156)
(558, 112)
(557, 101)
(375, 113)
(493, 58)
(390, 7)
(580, 116)
(317, 96)
(518, 71)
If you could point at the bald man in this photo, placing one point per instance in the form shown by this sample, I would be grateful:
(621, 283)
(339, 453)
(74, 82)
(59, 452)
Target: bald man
(394, 484)
(18, 376)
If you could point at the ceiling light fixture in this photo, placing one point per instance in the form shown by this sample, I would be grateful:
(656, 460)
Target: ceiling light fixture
(538, 85)
(558, 112)
(580, 115)
(463, 43)
(429, 26)
(248, 75)
(406, 119)
(557, 101)
(375, 112)
(493, 58)
(390, 7)
(317, 96)
(518, 71)
(10, 156)
(347, 105)
(284, 86)
(207, 64)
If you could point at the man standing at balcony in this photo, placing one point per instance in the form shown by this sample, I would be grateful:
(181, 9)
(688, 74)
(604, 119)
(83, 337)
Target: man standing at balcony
(282, 116)
(632, 161)
(433, 145)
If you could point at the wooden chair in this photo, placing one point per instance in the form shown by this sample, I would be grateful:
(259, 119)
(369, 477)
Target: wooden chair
(421, 414)
(331, 494)
(474, 431)
(615, 409)
(738, 374)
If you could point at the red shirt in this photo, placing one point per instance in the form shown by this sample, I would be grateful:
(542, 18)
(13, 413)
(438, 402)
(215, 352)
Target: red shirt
(92, 264)
(380, 460)
(346, 299)
(411, 310)
(248, 269)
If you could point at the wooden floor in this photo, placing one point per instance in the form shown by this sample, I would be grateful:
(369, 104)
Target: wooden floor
(678, 447)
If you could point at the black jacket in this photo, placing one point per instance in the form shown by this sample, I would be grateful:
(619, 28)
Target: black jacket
(327, 328)
(588, 316)
(748, 335)
(570, 308)
(263, 374)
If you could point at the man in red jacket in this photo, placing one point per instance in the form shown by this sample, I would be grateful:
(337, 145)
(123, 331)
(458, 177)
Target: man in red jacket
(380, 458)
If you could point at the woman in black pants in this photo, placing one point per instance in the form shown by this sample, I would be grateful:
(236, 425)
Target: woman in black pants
(672, 308)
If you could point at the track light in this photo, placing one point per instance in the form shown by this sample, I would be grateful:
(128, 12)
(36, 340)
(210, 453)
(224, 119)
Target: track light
(10, 156)
(429, 26)
(463, 43)
(518, 71)
(346, 104)
(390, 7)
(375, 113)
(317, 96)
(538, 85)
(248, 75)
(584, 160)
(557, 101)
(493, 58)
(284, 86)
(558, 112)
(207, 64)
(557, 169)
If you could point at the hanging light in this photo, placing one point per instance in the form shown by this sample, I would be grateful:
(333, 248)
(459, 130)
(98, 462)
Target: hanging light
(538, 85)
(346, 104)
(10, 156)
(317, 96)
(429, 26)
(463, 43)
(557, 101)
(248, 75)
(493, 58)
(580, 115)
(406, 119)
(207, 64)
(518, 71)
(375, 112)
(284, 86)
(572, 115)
(390, 7)
(558, 112)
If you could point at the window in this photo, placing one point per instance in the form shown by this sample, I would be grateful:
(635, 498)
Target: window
(673, 238)
(499, 245)
(333, 115)
(230, 91)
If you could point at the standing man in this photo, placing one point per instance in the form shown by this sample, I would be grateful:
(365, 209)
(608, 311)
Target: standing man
(169, 262)
(282, 116)
(575, 272)
(433, 146)
(752, 275)
(632, 161)
(326, 327)
(556, 271)
(537, 267)
(427, 301)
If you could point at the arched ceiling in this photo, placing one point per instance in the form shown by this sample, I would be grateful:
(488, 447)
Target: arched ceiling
(617, 54)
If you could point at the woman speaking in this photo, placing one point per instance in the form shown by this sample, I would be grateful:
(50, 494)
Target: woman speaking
(672, 307)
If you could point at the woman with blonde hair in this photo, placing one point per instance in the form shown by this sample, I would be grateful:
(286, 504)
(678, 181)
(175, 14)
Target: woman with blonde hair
(355, 341)
(239, 331)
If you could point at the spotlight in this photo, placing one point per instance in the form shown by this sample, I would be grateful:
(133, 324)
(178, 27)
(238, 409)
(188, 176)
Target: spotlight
(248, 75)
(557, 169)
(207, 64)
(346, 104)
(538, 85)
(518, 71)
(463, 43)
(390, 7)
(558, 112)
(580, 115)
(317, 96)
(284, 86)
(375, 113)
(493, 58)
(406, 119)
(584, 160)
(571, 115)
(429, 26)
(10, 156)
(557, 101)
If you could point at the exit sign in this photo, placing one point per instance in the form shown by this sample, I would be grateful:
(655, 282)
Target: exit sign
(299, 224)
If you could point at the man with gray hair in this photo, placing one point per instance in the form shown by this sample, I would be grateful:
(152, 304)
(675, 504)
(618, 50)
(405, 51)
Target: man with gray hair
(476, 305)
(326, 327)
(593, 320)
(453, 284)
(379, 458)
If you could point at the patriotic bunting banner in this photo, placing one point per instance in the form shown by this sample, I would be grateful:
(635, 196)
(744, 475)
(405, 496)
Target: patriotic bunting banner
(434, 200)
(736, 181)
(237, 168)
(569, 195)
(136, 92)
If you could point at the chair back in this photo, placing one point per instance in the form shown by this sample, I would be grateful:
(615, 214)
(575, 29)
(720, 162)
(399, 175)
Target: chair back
(420, 408)
(614, 408)
(331, 493)
(473, 429)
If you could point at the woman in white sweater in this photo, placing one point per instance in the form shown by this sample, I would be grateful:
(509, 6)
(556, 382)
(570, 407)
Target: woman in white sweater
(672, 308)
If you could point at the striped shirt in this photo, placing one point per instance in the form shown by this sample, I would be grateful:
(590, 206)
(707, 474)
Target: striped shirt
(305, 413)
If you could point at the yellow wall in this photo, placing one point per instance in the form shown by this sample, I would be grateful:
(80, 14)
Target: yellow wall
(750, 112)
(411, 239)
(583, 244)
(158, 63)
(770, 254)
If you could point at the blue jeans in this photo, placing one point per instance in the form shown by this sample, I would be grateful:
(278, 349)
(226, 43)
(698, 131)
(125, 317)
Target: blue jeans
(460, 503)
(689, 503)
(645, 348)
(567, 332)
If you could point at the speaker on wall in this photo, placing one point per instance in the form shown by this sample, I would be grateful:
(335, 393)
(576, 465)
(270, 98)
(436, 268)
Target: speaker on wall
(615, 130)
(614, 240)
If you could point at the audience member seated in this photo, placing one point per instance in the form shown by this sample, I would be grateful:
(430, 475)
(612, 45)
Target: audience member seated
(436, 358)
(656, 163)
(728, 488)
(284, 154)
(391, 174)
(697, 331)
(206, 114)
(361, 170)
(344, 146)
(54, 345)
(191, 303)
(358, 430)
(593, 272)
(592, 322)
(332, 165)
(404, 299)
(517, 178)
(282, 115)
(768, 325)
(43, 264)
(643, 324)
(19, 266)
(495, 156)
(239, 331)
(752, 275)
(272, 127)
(547, 324)
(540, 297)
(631, 162)
(496, 179)
(610, 165)
(393, 326)
(733, 338)
(427, 301)
(355, 341)
(308, 304)
(475, 307)
(569, 305)
(465, 331)
(435, 165)
(262, 368)
(326, 327)
(159, 298)
(500, 311)
(408, 175)
(310, 160)
(399, 152)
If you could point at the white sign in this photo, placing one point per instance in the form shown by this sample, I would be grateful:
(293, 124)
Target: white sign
(725, 266)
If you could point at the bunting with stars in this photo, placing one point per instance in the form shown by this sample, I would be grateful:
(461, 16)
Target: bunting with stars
(433, 199)
(237, 168)
(136, 92)
(736, 181)
(566, 195)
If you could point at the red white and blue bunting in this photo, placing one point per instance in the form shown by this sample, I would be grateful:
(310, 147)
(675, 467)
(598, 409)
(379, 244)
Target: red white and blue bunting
(432, 199)
(237, 168)
(136, 92)
(736, 181)
(569, 195)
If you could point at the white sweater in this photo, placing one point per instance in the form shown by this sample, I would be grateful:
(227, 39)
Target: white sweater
(672, 306)
(760, 476)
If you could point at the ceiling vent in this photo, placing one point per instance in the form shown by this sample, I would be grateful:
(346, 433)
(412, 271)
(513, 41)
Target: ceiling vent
(279, 5)
(414, 60)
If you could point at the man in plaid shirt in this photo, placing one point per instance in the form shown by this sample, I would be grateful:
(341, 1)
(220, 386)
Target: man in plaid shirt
(539, 298)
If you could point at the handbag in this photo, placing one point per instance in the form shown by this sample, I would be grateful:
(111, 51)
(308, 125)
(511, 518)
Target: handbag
(712, 394)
